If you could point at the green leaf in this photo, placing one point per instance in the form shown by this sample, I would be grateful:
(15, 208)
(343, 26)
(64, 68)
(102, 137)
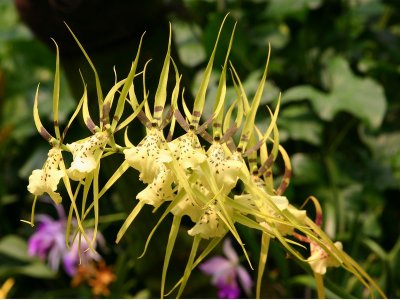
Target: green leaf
(362, 97)
(37, 270)
(187, 39)
(299, 8)
(309, 281)
(298, 123)
(15, 247)
(306, 169)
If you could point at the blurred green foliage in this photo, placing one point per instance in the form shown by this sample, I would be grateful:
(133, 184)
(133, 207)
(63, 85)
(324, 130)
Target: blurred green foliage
(337, 64)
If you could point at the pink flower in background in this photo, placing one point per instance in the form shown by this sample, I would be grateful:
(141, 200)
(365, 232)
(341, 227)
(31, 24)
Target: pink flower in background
(49, 239)
(48, 242)
(226, 272)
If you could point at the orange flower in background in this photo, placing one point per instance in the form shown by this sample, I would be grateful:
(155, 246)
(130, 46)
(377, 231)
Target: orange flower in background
(97, 275)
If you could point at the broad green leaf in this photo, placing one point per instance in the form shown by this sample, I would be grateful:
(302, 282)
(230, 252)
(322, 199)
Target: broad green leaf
(14, 247)
(299, 8)
(297, 122)
(187, 39)
(362, 97)
(309, 281)
(37, 270)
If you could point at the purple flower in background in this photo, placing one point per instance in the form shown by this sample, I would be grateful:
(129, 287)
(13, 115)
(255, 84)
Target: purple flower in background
(226, 271)
(48, 242)
(49, 239)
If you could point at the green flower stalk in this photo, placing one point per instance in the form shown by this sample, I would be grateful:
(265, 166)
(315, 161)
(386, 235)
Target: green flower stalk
(218, 178)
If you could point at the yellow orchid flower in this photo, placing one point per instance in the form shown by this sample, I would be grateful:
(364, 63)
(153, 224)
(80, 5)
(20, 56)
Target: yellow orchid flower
(148, 156)
(187, 150)
(86, 155)
(188, 207)
(46, 179)
(320, 260)
(210, 224)
(225, 170)
(159, 190)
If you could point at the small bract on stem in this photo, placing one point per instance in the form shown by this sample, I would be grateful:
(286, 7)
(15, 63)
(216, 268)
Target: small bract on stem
(219, 179)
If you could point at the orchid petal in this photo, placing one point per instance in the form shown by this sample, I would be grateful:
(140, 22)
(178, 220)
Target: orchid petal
(215, 265)
(46, 180)
(159, 190)
(244, 279)
(86, 155)
(230, 252)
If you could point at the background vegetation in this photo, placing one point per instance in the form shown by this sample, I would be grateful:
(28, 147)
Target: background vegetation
(337, 63)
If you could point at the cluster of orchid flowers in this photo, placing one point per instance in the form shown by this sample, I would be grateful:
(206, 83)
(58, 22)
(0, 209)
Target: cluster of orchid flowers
(228, 182)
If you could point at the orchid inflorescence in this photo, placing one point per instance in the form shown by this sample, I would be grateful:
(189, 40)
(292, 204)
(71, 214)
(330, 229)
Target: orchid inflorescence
(218, 178)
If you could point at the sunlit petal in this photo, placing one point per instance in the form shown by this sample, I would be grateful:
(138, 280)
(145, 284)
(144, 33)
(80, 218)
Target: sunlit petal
(46, 180)
(86, 155)
(320, 260)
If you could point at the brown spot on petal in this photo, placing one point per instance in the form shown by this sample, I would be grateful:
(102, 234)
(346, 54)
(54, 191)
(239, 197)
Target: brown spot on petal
(158, 108)
(245, 138)
(267, 164)
(196, 114)
(106, 110)
(285, 182)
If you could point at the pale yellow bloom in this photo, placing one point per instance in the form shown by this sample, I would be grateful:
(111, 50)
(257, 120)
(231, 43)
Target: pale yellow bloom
(86, 155)
(283, 227)
(225, 170)
(210, 224)
(188, 207)
(148, 156)
(320, 260)
(159, 190)
(46, 179)
(263, 206)
(187, 150)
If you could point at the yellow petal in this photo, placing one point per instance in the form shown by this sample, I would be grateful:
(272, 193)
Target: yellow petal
(188, 207)
(46, 180)
(159, 190)
(320, 260)
(86, 155)
(225, 170)
(210, 225)
(187, 150)
(147, 157)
